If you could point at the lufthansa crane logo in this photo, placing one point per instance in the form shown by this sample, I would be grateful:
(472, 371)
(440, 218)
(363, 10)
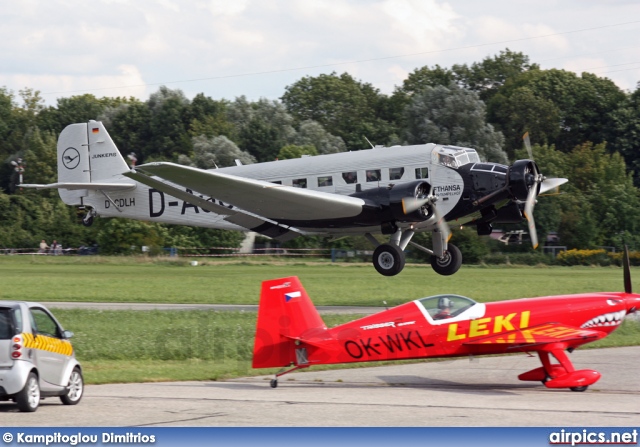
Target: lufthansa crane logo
(71, 158)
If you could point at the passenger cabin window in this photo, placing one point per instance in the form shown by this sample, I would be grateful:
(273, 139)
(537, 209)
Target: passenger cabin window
(299, 183)
(277, 182)
(395, 173)
(325, 181)
(442, 307)
(422, 173)
(350, 177)
(373, 175)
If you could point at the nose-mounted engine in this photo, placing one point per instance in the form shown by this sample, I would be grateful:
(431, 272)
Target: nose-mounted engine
(523, 175)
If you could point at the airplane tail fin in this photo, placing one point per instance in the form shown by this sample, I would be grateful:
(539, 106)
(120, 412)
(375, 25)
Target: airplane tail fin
(88, 159)
(286, 316)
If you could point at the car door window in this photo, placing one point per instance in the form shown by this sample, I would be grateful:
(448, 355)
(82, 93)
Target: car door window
(44, 324)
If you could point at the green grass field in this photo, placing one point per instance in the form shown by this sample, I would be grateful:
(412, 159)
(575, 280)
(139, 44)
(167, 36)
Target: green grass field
(97, 279)
(131, 346)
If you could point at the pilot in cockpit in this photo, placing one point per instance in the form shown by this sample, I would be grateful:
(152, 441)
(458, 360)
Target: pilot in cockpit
(444, 308)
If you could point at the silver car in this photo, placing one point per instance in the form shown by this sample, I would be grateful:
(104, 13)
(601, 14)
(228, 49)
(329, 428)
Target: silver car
(36, 357)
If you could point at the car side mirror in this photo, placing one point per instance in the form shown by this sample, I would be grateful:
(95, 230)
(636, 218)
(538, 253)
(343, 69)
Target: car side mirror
(67, 334)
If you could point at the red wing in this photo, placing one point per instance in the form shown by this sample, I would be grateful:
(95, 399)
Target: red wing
(541, 334)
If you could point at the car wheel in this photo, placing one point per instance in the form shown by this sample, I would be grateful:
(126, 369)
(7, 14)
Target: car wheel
(76, 388)
(28, 398)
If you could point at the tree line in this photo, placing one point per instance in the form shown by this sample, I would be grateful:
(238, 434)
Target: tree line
(583, 127)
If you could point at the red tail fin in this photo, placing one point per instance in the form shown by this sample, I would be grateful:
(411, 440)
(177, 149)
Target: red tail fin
(285, 314)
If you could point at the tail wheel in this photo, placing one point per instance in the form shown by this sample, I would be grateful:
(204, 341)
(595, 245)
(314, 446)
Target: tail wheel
(579, 388)
(449, 263)
(388, 259)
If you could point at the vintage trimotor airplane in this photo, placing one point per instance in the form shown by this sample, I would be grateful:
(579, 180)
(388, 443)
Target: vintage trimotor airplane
(291, 334)
(396, 191)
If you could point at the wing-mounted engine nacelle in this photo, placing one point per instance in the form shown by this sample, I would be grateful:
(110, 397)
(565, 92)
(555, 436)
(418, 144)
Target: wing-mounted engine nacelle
(409, 202)
(405, 202)
(522, 176)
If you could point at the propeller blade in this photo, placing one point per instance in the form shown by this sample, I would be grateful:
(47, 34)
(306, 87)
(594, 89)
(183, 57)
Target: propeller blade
(551, 183)
(527, 144)
(443, 226)
(528, 214)
(411, 204)
(627, 270)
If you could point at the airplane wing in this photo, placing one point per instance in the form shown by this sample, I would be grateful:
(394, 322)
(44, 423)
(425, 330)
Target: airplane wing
(76, 186)
(539, 335)
(272, 201)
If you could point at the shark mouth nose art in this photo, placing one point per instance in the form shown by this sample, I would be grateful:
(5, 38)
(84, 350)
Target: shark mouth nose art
(608, 319)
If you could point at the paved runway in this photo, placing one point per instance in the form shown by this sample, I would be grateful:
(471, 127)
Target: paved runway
(482, 392)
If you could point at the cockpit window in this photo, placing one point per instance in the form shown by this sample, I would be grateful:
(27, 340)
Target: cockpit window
(441, 307)
(454, 156)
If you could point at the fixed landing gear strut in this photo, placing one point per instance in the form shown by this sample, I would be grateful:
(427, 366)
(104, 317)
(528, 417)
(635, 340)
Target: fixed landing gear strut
(389, 258)
(560, 375)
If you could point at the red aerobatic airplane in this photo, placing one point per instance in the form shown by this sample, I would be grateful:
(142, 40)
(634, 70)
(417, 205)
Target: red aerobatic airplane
(291, 333)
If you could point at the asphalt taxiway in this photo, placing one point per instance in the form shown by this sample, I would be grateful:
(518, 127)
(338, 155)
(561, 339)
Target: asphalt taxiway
(482, 391)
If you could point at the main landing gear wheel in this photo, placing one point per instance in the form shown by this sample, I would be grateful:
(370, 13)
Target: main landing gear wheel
(274, 383)
(449, 263)
(388, 259)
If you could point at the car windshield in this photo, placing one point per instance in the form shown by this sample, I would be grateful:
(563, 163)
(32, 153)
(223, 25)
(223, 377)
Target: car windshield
(446, 306)
(454, 156)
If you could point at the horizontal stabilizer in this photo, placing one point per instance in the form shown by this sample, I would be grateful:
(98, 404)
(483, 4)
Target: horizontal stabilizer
(77, 186)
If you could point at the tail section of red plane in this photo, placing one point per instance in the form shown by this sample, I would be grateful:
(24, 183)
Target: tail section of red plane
(286, 316)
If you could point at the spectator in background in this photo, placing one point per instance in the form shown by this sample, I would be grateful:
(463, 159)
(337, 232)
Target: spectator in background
(43, 246)
(56, 248)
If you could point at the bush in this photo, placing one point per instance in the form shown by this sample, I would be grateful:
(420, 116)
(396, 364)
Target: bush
(584, 257)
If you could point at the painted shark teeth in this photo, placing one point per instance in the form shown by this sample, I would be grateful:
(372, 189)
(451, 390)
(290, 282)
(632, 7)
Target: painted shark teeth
(608, 319)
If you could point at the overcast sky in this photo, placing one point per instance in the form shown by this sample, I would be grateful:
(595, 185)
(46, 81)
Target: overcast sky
(256, 48)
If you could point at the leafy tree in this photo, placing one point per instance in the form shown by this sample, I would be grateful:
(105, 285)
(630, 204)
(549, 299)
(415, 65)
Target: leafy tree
(41, 158)
(292, 151)
(523, 112)
(584, 106)
(124, 236)
(626, 122)
(7, 121)
(344, 106)
(488, 76)
(312, 133)
(216, 152)
(453, 116)
(168, 125)
(209, 118)
(129, 125)
(263, 127)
